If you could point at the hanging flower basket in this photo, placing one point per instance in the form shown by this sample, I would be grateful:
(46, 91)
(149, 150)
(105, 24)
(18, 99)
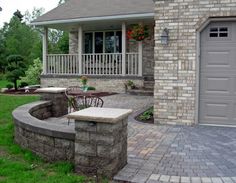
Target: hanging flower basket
(138, 32)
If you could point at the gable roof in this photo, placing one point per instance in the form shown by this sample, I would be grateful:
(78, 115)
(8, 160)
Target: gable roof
(85, 9)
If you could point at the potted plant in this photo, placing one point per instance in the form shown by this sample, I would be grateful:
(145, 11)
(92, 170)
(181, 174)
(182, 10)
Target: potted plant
(138, 32)
(84, 81)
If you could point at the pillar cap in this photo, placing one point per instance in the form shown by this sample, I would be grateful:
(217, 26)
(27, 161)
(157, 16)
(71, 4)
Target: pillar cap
(51, 90)
(101, 115)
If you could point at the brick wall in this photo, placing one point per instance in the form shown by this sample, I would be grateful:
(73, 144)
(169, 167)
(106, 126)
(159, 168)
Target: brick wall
(176, 64)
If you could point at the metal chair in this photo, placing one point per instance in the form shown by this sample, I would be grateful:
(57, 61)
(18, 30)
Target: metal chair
(70, 94)
(80, 103)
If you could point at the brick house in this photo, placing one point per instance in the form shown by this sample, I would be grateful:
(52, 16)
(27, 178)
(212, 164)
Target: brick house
(194, 54)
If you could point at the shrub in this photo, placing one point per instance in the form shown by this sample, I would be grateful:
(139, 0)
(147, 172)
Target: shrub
(23, 84)
(15, 69)
(146, 115)
(91, 88)
(130, 84)
(32, 75)
(9, 86)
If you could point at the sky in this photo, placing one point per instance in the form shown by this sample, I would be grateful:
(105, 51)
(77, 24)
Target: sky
(10, 6)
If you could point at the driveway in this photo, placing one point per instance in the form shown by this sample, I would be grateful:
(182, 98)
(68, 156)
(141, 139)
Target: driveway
(180, 154)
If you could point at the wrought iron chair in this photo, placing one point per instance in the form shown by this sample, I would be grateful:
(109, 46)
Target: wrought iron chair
(70, 94)
(80, 103)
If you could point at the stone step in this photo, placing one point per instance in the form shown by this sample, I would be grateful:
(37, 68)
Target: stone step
(140, 92)
(149, 84)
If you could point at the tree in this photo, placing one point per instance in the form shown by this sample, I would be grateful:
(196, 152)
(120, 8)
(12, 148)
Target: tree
(21, 39)
(15, 69)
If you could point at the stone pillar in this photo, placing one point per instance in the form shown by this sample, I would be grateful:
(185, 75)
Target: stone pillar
(101, 140)
(58, 99)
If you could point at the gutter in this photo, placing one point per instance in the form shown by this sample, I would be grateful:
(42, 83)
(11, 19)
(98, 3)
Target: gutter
(89, 19)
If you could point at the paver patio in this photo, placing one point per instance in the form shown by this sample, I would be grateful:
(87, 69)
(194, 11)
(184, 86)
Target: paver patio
(175, 153)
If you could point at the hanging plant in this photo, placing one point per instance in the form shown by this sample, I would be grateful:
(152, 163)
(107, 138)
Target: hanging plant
(138, 32)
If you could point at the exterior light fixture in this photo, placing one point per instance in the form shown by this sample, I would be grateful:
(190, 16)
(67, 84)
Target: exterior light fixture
(165, 37)
(0, 9)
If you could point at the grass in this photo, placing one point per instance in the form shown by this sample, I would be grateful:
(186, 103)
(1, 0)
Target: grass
(21, 166)
(3, 83)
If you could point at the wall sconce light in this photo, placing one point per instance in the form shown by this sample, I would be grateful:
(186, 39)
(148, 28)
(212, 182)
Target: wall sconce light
(165, 37)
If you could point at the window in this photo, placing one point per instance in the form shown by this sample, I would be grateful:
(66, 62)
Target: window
(103, 42)
(88, 46)
(219, 32)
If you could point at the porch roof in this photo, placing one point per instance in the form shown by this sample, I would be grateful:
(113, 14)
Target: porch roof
(74, 11)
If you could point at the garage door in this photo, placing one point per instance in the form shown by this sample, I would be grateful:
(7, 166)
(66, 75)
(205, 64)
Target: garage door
(218, 74)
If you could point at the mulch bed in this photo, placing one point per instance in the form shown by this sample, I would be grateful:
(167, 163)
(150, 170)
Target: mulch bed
(20, 92)
(150, 121)
(32, 92)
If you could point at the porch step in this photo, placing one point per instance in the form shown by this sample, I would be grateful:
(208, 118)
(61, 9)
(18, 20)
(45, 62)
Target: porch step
(140, 92)
(149, 85)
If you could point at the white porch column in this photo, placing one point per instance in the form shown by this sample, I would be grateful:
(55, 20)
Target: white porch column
(123, 48)
(45, 49)
(140, 58)
(80, 48)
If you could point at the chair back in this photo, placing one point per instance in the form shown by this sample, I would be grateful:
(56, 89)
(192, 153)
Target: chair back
(80, 103)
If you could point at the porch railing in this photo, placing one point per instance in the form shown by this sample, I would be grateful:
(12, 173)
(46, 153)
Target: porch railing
(62, 64)
(102, 64)
(93, 64)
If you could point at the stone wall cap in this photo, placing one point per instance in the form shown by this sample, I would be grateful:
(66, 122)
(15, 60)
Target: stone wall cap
(102, 115)
(51, 90)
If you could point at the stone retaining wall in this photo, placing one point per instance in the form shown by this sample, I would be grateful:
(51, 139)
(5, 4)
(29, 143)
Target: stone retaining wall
(52, 142)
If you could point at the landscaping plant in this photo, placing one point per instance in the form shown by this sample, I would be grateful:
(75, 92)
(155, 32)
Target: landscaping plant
(32, 75)
(15, 69)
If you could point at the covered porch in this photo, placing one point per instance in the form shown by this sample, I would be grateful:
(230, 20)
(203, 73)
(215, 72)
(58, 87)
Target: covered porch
(96, 49)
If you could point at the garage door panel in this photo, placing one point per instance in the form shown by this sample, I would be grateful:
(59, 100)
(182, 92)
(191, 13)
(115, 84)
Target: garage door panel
(216, 85)
(218, 111)
(212, 110)
(218, 59)
(218, 74)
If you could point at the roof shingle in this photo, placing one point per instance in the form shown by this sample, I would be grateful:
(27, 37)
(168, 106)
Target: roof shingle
(75, 9)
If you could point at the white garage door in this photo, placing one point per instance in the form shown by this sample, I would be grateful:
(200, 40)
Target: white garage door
(218, 74)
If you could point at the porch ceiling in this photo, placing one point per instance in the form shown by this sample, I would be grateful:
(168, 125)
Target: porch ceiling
(99, 25)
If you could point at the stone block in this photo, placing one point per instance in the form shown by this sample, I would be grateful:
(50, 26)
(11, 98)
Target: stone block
(85, 149)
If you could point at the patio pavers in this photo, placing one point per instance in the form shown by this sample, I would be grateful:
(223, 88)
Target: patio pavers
(180, 154)
(200, 154)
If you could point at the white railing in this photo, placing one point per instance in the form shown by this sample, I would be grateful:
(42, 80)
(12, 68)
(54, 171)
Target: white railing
(102, 64)
(93, 64)
(62, 64)
(132, 64)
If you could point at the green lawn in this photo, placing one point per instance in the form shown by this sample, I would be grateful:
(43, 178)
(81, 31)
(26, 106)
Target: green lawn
(21, 166)
(3, 83)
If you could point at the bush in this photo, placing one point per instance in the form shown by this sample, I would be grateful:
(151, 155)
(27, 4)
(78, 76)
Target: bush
(15, 69)
(147, 115)
(9, 86)
(91, 88)
(32, 75)
(23, 84)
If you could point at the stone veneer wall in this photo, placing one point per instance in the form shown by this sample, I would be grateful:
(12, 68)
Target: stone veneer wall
(103, 84)
(48, 141)
(176, 64)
